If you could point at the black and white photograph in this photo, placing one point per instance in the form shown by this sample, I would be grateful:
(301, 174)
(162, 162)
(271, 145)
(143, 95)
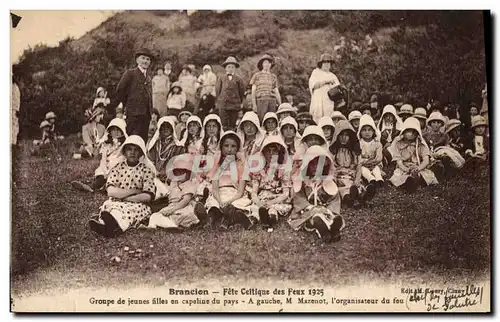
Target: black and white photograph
(251, 161)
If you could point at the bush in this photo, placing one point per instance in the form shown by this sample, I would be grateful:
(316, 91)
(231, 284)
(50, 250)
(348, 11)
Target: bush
(206, 19)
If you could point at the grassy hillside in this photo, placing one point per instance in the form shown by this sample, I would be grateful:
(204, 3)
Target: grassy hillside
(409, 61)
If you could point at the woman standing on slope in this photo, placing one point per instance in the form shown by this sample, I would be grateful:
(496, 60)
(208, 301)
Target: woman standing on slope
(320, 82)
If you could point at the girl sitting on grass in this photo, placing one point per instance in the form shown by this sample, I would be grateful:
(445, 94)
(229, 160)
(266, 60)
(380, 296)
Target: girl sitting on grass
(412, 157)
(316, 200)
(161, 149)
(193, 136)
(180, 211)
(180, 123)
(389, 126)
(110, 146)
(251, 134)
(130, 188)
(346, 153)
(92, 132)
(290, 135)
(270, 188)
(371, 151)
(227, 203)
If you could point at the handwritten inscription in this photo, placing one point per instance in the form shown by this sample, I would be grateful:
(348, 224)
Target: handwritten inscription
(443, 299)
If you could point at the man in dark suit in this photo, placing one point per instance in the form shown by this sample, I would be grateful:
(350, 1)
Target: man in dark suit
(135, 92)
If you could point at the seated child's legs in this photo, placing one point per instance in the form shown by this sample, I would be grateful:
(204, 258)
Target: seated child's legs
(367, 174)
(377, 173)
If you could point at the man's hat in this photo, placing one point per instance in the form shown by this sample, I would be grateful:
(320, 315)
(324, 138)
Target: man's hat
(144, 52)
(231, 60)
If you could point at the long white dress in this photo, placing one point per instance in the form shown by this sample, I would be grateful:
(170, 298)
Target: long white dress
(321, 105)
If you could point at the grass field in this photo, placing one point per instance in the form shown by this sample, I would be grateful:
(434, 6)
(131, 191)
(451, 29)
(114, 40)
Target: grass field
(442, 230)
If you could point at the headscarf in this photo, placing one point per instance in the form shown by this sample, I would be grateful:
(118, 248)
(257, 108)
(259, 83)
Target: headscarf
(314, 130)
(213, 117)
(338, 114)
(413, 123)
(391, 110)
(368, 120)
(326, 121)
(138, 141)
(254, 118)
(196, 119)
(100, 89)
(119, 123)
(156, 136)
(290, 120)
(328, 185)
(267, 116)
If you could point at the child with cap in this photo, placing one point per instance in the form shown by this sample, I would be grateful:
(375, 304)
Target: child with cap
(304, 119)
(389, 126)
(229, 90)
(337, 116)
(290, 135)
(365, 109)
(92, 132)
(206, 85)
(456, 140)
(193, 135)
(480, 140)
(181, 211)
(51, 118)
(110, 150)
(434, 135)
(405, 112)
(328, 127)
(354, 118)
(47, 135)
(130, 187)
(285, 110)
(316, 198)
(421, 115)
(176, 99)
(265, 93)
(412, 157)
(181, 120)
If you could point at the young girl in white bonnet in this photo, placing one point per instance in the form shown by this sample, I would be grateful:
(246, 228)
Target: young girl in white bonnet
(271, 195)
(130, 186)
(316, 199)
(412, 157)
(110, 150)
(371, 151)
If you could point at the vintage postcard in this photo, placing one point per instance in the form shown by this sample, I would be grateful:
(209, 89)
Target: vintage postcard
(250, 161)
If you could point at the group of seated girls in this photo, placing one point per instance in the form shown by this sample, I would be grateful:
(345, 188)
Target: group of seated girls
(306, 173)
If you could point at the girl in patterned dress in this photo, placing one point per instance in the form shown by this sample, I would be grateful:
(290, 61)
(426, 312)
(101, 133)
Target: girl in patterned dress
(316, 200)
(271, 187)
(251, 134)
(180, 210)
(346, 152)
(228, 202)
(290, 134)
(412, 157)
(193, 136)
(110, 146)
(161, 149)
(130, 188)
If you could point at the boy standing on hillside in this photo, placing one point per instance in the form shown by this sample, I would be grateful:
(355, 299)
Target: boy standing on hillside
(230, 91)
(265, 93)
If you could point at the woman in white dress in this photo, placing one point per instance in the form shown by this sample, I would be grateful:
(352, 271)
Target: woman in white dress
(320, 82)
(160, 91)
